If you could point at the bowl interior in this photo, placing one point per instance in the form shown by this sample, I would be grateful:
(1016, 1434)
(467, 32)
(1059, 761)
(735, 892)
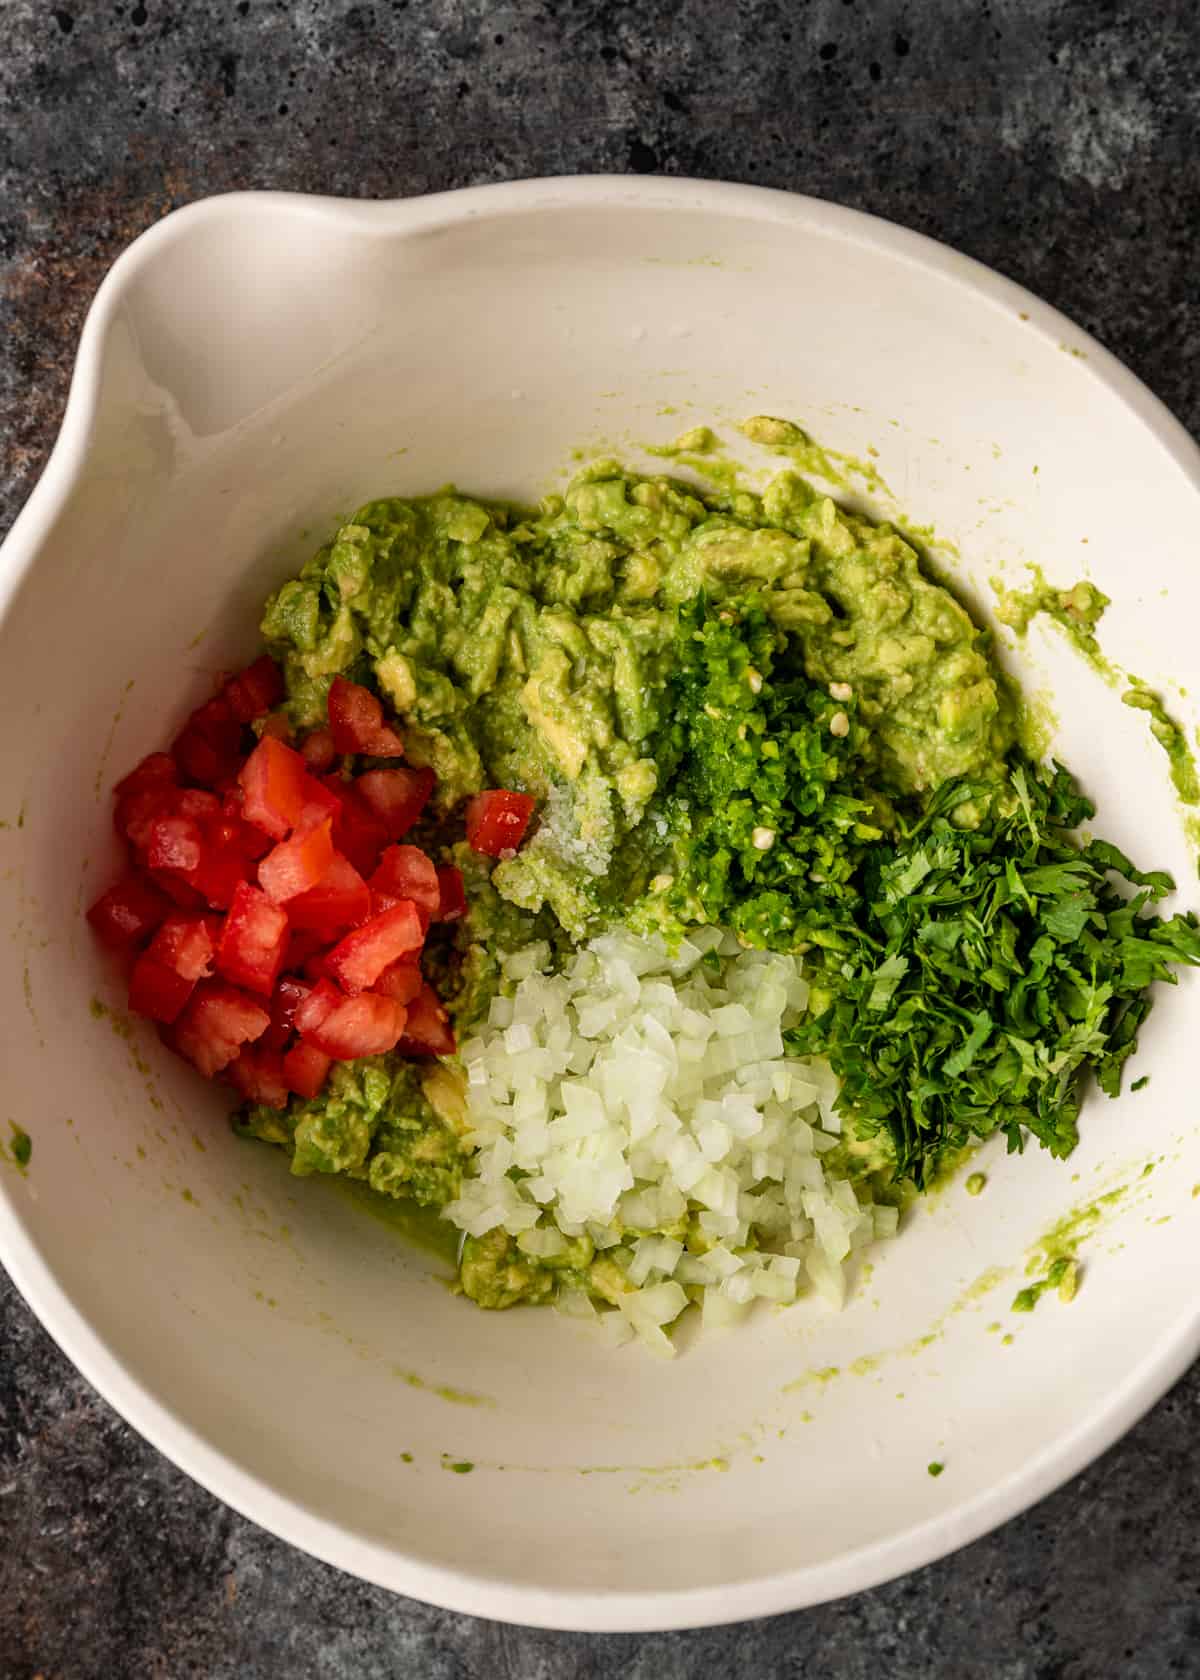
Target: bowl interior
(261, 367)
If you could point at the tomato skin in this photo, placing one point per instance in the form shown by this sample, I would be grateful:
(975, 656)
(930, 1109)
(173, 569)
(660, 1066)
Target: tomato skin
(217, 1021)
(289, 994)
(255, 690)
(257, 1074)
(276, 725)
(357, 831)
(396, 796)
(156, 991)
(356, 722)
(127, 914)
(273, 781)
(340, 901)
(452, 895)
(497, 820)
(159, 770)
(305, 1068)
(401, 981)
(185, 944)
(208, 749)
(318, 751)
(366, 1025)
(427, 1031)
(254, 941)
(321, 1001)
(297, 865)
(405, 872)
(358, 960)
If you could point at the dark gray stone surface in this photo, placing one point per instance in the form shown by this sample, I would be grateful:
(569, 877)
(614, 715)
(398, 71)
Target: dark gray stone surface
(1058, 140)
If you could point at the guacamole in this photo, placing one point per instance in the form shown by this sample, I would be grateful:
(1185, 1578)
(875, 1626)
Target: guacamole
(750, 725)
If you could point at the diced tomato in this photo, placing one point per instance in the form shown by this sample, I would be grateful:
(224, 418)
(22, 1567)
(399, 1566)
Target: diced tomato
(297, 865)
(321, 1001)
(157, 991)
(452, 895)
(257, 1074)
(366, 1025)
(221, 871)
(360, 958)
(127, 914)
(341, 900)
(427, 1031)
(406, 873)
(235, 831)
(397, 797)
(287, 997)
(185, 944)
(273, 781)
(401, 981)
(209, 746)
(322, 798)
(253, 941)
(157, 771)
(356, 721)
(215, 1024)
(305, 1068)
(277, 726)
(254, 690)
(178, 890)
(497, 820)
(319, 751)
(357, 831)
(134, 812)
(174, 842)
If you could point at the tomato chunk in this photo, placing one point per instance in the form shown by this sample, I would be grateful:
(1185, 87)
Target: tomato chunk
(321, 1001)
(402, 981)
(253, 941)
(287, 997)
(208, 749)
(276, 725)
(157, 991)
(452, 894)
(305, 1068)
(497, 820)
(357, 831)
(273, 781)
(406, 873)
(127, 914)
(319, 751)
(366, 1025)
(297, 865)
(184, 944)
(341, 900)
(356, 722)
(358, 960)
(427, 1031)
(157, 771)
(255, 690)
(397, 797)
(217, 1021)
(173, 842)
(257, 1074)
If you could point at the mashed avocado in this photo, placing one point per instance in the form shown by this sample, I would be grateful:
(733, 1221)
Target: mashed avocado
(534, 649)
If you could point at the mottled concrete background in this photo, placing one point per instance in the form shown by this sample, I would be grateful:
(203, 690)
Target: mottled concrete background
(1055, 139)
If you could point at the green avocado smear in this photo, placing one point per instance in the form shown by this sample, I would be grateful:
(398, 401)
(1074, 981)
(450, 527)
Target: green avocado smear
(744, 710)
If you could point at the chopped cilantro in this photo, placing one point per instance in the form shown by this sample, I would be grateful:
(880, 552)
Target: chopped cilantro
(972, 963)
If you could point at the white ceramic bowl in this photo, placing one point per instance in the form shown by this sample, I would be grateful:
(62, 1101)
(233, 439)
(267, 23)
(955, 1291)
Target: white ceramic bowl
(255, 366)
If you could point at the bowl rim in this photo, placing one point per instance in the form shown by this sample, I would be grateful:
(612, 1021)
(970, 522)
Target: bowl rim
(290, 1519)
